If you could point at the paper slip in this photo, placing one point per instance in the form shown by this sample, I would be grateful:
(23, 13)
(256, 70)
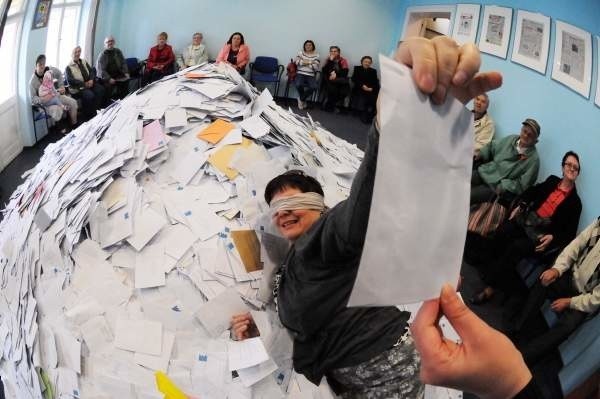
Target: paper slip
(255, 126)
(142, 336)
(158, 363)
(248, 246)
(146, 224)
(415, 241)
(175, 117)
(215, 315)
(187, 168)
(221, 158)
(177, 240)
(246, 353)
(252, 375)
(149, 268)
(153, 136)
(262, 102)
(233, 137)
(214, 132)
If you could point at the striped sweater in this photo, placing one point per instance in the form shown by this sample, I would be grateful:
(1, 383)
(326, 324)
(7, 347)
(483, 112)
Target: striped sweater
(308, 64)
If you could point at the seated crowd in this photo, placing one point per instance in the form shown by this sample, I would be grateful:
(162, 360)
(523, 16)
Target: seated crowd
(85, 89)
(540, 226)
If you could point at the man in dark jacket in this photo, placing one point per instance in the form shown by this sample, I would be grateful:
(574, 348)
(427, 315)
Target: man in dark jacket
(366, 89)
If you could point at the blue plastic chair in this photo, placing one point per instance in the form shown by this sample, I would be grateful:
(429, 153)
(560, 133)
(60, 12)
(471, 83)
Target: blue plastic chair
(266, 70)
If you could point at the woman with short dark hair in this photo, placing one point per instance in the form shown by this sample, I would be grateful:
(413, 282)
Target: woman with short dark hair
(161, 60)
(308, 64)
(366, 89)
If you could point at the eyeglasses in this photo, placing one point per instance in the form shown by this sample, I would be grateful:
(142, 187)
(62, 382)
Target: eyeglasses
(572, 166)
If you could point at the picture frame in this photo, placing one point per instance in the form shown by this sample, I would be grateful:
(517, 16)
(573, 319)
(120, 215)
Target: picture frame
(597, 100)
(495, 31)
(572, 65)
(466, 23)
(532, 41)
(42, 14)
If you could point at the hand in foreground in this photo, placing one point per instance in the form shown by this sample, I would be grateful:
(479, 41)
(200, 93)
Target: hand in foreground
(544, 242)
(243, 326)
(440, 66)
(549, 276)
(486, 363)
(561, 305)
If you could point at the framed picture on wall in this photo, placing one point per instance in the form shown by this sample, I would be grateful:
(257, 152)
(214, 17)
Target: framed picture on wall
(532, 40)
(42, 13)
(495, 31)
(573, 58)
(466, 21)
(597, 101)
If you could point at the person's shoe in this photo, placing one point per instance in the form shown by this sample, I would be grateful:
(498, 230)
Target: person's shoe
(304, 105)
(300, 104)
(482, 297)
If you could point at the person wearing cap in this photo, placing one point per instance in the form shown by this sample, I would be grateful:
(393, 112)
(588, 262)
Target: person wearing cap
(112, 70)
(482, 121)
(509, 165)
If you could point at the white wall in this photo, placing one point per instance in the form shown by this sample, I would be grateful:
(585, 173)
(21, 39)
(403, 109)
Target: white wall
(271, 27)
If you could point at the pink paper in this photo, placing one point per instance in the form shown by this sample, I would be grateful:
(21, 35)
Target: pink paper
(153, 136)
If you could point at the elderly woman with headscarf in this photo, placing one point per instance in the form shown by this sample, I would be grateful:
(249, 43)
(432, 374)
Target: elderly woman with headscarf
(81, 77)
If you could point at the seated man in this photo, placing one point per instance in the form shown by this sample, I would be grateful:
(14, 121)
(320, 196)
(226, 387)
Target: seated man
(335, 79)
(54, 111)
(112, 70)
(483, 122)
(510, 165)
(573, 284)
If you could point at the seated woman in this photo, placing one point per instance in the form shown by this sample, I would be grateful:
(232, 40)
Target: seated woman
(308, 64)
(195, 53)
(81, 77)
(363, 351)
(161, 60)
(54, 111)
(235, 52)
(48, 94)
(366, 89)
(547, 218)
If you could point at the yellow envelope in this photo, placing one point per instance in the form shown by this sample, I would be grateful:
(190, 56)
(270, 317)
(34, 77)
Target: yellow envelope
(194, 75)
(214, 132)
(221, 158)
(248, 247)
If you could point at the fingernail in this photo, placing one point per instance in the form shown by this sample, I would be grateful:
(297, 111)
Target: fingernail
(439, 95)
(459, 78)
(427, 82)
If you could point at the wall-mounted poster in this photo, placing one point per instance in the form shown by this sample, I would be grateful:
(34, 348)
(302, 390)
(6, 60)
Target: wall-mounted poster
(42, 13)
(598, 75)
(532, 39)
(495, 31)
(466, 23)
(573, 58)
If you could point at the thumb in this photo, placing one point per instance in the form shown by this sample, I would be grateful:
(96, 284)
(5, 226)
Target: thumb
(465, 322)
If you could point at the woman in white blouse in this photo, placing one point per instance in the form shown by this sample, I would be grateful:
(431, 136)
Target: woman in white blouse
(194, 54)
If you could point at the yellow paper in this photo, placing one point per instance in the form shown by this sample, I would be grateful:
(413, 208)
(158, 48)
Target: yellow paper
(248, 247)
(194, 75)
(214, 132)
(221, 158)
(167, 388)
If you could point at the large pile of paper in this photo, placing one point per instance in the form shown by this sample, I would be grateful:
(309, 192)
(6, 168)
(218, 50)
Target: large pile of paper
(137, 236)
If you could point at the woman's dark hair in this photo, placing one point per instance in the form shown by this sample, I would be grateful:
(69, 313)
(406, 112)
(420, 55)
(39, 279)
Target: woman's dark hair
(571, 154)
(366, 57)
(311, 42)
(40, 59)
(233, 34)
(292, 179)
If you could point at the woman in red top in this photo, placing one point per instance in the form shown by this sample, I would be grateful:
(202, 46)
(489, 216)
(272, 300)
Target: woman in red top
(235, 52)
(160, 60)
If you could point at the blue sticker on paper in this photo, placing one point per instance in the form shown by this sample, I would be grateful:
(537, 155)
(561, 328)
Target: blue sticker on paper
(203, 358)
(188, 213)
(126, 216)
